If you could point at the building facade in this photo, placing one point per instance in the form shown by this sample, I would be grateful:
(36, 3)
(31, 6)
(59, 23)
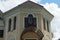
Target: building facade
(1, 27)
(27, 21)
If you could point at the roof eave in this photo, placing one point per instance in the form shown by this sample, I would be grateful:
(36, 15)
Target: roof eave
(49, 12)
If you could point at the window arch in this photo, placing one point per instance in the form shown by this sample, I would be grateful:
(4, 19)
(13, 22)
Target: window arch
(30, 19)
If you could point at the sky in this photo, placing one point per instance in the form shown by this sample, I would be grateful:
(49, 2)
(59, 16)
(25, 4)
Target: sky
(53, 6)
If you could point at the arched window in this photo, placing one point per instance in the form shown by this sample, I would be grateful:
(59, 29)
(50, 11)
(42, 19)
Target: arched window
(14, 23)
(30, 21)
(9, 28)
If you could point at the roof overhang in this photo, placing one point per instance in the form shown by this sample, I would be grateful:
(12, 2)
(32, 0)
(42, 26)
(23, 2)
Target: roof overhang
(47, 14)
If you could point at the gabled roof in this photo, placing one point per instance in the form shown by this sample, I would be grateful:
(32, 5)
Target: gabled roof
(25, 4)
(33, 4)
(28, 4)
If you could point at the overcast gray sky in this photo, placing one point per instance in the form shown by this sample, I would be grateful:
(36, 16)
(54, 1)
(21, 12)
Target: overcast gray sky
(51, 6)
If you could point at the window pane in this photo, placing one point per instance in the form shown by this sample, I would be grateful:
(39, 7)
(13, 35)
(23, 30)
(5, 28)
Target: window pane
(30, 20)
(34, 22)
(9, 28)
(1, 33)
(14, 23)
(26, 22)
(44, 23)
(47, 26)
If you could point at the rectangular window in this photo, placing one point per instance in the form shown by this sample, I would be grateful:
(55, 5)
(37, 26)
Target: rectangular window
(48, 26)
(44, 23)
(9, 28)
(26, 22)
(14, 23)
(34, 22)
(1, 33)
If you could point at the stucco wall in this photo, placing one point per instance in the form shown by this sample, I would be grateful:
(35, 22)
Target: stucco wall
(20, 25)
(20, 13)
